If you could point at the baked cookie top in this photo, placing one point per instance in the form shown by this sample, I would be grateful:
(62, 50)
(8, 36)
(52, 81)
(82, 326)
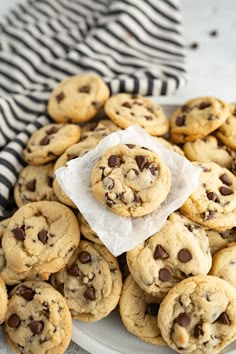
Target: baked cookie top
(227, 131)
(219, 240)
(127, 109)
(138, 311)
(130, 180)
(86, 230)
(98, 130)
(179, 250)
(77, 98)
(208, 149)
(74, 151)
(91, 282)
(34, 184)
(38, 319)
(197, 118)
(213, 203)
(224, 264)
(4, 300)
(199, 315)
(50, 141)
(40, 238)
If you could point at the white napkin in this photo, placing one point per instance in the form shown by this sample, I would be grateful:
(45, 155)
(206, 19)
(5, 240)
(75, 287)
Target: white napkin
(120, 234)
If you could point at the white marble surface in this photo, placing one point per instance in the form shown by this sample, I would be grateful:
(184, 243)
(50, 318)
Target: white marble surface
(212, 67)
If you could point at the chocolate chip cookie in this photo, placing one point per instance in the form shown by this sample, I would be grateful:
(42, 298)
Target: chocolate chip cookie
(138, 311)
(218, 240)
(126, 109)
(197, 118)
(170, 146)
(199, 315)
(91, 282)
(4, 301)
(77, 98)
(179, 250)
(34, 184)
(213, 203)
(86, 230)
(224, 264)
(38, 319)
(98, 130)
(9, 276)
(74, 151)
(50, 141)
(40, 238)
(130, 180)
(227, 131)
(208, 149)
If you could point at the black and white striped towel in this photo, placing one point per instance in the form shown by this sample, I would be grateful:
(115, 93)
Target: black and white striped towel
(135, 45)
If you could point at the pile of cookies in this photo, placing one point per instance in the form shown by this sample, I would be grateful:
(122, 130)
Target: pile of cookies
(177, 288)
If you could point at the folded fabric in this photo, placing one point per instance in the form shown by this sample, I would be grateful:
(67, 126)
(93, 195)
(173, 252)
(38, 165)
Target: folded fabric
(135, 45)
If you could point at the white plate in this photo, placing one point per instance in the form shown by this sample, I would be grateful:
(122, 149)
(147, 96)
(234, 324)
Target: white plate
(109, 336)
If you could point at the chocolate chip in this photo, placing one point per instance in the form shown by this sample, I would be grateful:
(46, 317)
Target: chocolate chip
(96, 104)
(90, 293)
(190, 227)
(225, 179)
(36, 327)
(142, 162)
(160, 253)
(214, 33)
(30, 186)
(211, 117)
(114, 161)
(150, 109)
(52, 130)
(108, 183)
(84, 257)
(153, 169)
(180, 121)
(185, 108)
(194, 45)
(183, 319)
(136, 198)
(184, 255)
(153, 309)
(44, 141)
(164, 274)
(19, 234)
(197, 332)
(138, 103)
(74, 271)
(14, 321)
(50, 181)
(148, 117)
(223, 318)
(25, 292)
(109, 201)
(204, 105)
(127, 105)
(84, 89)
(208, 215)
(43, 236)
(120, 195)
(130, 146)
(60, 97)
(212, 196)
(225, 191)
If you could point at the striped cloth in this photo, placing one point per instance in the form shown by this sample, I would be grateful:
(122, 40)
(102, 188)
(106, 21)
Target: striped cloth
(135, 45)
